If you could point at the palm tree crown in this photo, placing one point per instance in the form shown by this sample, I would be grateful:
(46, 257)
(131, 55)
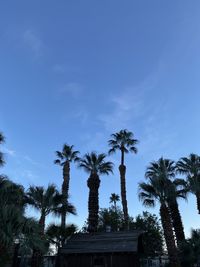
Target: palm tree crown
(67, 154)
(191, 168)
(124, 141)
(96, 164)
(114, 198)
(45, 200)
(151, 192)
(162, 169)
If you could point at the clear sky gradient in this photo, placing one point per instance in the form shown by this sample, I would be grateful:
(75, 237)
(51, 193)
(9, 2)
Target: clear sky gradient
(77, 71)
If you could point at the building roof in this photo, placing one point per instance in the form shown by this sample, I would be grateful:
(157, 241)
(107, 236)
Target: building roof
(126, 241)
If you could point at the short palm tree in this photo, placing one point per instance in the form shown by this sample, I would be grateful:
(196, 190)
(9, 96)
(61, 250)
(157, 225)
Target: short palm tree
(64, 159)
(114, 198)
(190, 166)
(56, 233)
(165, 170)
(2, 140)
(43, 200)
(149, 193)
(95, 165)
(124, 142)
(13, 223)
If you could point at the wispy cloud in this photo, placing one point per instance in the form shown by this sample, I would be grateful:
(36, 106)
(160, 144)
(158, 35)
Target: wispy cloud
(129, 105)
(30, 160)
(82, 115)
(74, 89)
(10, 152)
(29, 175)
(20, 157)
(33, 42)
(126, 107)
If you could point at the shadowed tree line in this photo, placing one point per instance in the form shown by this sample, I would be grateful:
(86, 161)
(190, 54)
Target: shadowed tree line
(166, 182)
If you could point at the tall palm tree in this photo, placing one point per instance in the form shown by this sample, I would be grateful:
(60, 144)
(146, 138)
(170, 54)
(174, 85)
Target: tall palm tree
(2, 140)
(124, 142)
(114, 198)
(95, 165)
(190, 166)
(64, 159)
(149, 193)
(165, 170)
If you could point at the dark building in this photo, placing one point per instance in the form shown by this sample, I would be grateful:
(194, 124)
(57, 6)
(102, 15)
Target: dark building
(114, 249)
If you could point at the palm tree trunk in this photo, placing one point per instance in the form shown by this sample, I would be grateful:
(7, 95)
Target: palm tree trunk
(198, 202)
(37, 257)
(177, 221)
(122, 170)
(93, 202)
(65, 192)
(42, 222)
(169, 236)
(115, 205)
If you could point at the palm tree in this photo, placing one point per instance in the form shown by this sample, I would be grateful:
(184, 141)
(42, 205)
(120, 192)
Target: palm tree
(2, 140)
(149, 193)
(55, 233)
(13, 223)
(64, 159)
(95, 165)
(125, 142)
(43, 200)
(114, 198)
(190, 166)
(165, 170)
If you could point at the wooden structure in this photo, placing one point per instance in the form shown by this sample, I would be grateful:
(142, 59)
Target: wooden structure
(114, 249)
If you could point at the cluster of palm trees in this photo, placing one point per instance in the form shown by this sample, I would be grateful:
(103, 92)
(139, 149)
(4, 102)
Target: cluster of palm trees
(50, 201)
(96, 165)
(164, 187)
(27, 234)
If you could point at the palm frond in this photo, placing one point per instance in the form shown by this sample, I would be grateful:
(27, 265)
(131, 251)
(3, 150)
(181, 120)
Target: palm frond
(95, 163)
(123, 140)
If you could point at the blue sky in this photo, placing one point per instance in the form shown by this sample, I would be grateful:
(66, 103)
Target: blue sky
(77, 71)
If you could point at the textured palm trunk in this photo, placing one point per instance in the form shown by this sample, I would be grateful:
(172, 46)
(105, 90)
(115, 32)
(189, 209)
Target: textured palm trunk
(177, 221)
(198, 202)
(169, 236)
(93, 202)
(115, 205)
(37, 257)
(42, 222)
(65, 192)
(122, 170)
